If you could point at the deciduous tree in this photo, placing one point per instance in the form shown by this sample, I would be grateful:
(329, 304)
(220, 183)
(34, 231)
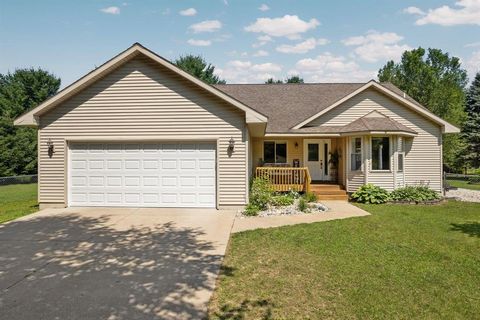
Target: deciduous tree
(436, 80)
(21, 91)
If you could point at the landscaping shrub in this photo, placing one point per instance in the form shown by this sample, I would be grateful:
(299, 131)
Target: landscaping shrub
(414, 194)
(302, 205)
(261, 193)
(282, 200)
(251, 210)
(370, 193)
(310, 197)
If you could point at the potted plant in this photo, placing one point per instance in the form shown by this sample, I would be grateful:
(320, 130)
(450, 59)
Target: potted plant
(334, 160)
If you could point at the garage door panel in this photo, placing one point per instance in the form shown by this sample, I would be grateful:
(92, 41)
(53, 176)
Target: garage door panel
(142, 174)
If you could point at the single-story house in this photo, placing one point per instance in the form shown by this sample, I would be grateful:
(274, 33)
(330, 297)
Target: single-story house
(139, 131)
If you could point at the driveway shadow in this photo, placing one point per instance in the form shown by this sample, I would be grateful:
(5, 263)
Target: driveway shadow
(77, 267)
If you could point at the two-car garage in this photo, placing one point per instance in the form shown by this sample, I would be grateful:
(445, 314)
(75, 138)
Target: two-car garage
(146, 174)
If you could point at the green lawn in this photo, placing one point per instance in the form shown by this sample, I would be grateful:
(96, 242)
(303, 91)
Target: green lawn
(17, 200)
(403, 262)
(463, 184)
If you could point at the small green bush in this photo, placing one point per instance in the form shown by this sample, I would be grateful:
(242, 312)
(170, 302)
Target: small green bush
(282, 200)
(251, 210)
(261, 193)
(310, 197)
(414, 194)
(302, 205)
(370, 193)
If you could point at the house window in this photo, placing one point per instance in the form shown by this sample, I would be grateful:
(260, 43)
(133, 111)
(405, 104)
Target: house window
(400, 162)
(380, 153)
(356, 154)
(274, 152)
(400, 154)
(312, 152)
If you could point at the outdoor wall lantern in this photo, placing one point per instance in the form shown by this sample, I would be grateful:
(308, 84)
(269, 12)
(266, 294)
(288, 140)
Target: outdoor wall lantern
(231, 145)
(51, 150)
(296, 145)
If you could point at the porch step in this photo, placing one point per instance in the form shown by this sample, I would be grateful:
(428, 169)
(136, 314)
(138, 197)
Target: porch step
(329, 192)
(321, 187)
(332, 197)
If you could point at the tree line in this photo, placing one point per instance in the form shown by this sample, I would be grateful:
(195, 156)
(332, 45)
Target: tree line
(432, 77)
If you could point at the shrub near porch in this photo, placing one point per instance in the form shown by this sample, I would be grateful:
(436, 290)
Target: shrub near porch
(402, 262)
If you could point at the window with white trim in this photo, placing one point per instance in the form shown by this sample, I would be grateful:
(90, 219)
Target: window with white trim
(356, 154)
(400, 154)
(274, 152)
(380, 148)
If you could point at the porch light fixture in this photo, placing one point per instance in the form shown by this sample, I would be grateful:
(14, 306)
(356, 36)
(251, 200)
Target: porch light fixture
(296, 145)
(231, 144)
(50, 146)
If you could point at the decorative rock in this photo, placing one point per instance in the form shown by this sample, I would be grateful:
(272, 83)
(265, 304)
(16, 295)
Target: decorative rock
(464, 194)
(312, 208)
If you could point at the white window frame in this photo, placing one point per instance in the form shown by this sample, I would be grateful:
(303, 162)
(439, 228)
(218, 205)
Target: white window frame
(401, 152)
(352, 147)
(275, 150)
(389, 154)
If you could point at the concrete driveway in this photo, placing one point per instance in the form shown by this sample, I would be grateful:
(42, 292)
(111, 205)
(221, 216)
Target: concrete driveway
(104, 263)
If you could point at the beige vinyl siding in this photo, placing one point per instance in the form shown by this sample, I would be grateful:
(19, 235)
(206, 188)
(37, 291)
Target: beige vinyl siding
(146, 101)
(423, 155)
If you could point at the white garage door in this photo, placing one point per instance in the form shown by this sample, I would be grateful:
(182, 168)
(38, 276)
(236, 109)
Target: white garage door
(142, 174)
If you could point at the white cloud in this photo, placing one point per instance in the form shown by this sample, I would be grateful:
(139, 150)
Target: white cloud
(206, 26)
(286, 26)
(302, 47)
(375, 46)
(473, 64)
(238, 71)
(464, 12)
(260, 53)
(473, 44)
(188, 12)
(111, 10)
(199, 43)
(262, 40)
(264, 7)
(413, 10)
(330, 68)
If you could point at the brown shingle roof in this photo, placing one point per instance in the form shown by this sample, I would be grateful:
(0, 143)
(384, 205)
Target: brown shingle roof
(286, 105)
(366, 123)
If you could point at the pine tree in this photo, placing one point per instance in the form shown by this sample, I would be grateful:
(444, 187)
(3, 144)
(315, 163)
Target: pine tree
(471, 126)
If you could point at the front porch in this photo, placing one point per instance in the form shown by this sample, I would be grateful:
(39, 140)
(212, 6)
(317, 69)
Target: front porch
(313, 164)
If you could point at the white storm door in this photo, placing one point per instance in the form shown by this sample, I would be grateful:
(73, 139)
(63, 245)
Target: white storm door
(166, 174)
(316, 155)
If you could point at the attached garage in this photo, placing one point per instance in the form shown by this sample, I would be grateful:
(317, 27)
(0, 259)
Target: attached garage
(153, 174)
(139, 132)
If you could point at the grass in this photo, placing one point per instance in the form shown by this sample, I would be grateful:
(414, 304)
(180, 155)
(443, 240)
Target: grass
(402, 262)
(17, 200)
(463, 184)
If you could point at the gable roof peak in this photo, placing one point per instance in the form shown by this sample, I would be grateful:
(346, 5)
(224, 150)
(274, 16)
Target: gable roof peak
(30, 118)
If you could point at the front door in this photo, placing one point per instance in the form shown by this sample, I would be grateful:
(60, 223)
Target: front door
(316, 155)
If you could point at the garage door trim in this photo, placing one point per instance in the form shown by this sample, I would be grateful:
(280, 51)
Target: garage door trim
(214, 141)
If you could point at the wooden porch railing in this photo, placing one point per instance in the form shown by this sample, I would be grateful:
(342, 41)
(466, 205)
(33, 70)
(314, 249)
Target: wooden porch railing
(286, 178)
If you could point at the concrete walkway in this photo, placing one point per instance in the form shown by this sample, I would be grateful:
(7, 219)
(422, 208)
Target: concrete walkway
(337, 210)
(111, 263)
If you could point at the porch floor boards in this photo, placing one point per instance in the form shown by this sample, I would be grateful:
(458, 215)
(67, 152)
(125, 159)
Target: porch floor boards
(328, 191)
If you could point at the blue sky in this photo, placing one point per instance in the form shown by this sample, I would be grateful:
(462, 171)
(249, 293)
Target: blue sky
(248, 41)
